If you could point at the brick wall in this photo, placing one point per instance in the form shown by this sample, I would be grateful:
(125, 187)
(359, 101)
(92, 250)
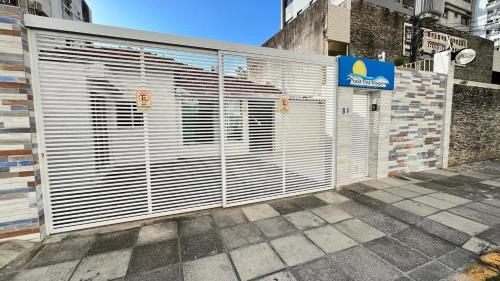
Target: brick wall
(375, 29)
(475, 125)
(21, 211)
(415, 137)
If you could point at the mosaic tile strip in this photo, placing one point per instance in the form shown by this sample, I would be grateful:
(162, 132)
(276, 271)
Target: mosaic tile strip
(416, 121)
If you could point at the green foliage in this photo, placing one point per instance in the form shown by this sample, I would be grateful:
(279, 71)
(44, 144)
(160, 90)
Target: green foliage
(400, 61)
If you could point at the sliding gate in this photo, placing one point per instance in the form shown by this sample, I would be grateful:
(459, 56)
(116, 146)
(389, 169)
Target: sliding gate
(224, 127)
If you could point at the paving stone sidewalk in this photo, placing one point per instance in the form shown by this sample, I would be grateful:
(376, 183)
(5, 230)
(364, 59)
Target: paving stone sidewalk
(422, 226)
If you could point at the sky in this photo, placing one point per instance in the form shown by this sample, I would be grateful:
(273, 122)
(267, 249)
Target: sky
(247, 22)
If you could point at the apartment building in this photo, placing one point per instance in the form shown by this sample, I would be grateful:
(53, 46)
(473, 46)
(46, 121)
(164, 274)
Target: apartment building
(457, 14)
(492, 27)
(76, 10)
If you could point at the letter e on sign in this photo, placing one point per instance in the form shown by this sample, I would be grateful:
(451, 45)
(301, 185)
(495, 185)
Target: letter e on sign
(143, 100)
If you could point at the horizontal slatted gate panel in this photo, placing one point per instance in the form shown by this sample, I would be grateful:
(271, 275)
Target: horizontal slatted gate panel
(309, 127)
(272, 153)
(106, 160)
(360, 122)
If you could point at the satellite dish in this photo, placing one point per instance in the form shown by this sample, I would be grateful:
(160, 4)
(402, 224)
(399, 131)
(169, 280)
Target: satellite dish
(465, 56)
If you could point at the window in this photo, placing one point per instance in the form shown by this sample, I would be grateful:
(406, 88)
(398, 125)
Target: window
(465, 21)
(198, 119)
(234, 120)
(445, 14)
(127, 115)
(288, 2)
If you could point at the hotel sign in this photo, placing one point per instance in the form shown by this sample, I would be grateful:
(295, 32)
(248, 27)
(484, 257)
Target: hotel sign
(365, 73)
(432, 42)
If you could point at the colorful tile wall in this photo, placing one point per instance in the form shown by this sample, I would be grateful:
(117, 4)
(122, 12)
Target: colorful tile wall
(20, 195)
(415, 137)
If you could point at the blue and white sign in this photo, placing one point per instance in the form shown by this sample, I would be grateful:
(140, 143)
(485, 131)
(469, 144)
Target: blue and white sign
(365, 73)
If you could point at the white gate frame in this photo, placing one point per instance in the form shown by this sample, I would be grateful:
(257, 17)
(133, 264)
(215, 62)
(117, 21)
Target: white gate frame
(36, 24)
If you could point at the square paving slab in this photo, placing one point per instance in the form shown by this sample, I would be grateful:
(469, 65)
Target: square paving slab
(106, 266)
(330, 197)
(256, 260)
(384, 223)
(360, 264)
(393, 181)
(450, 198)
(229, 217)
(485, 208)
(195, 225)
(201, 245)
(434, 202)
(396, 253)
(418, 189)
(58, 252)
(376, 184)
(330, 239)
(458, 258)
(460, 223)
(114, 241)
(416, 208)
(323, 269)
(304, 220)
(286, 207)
(355, 209)
(241, 235)
(359, 230)
(151, 256)
(475, 215)
(491, 235)
(170, 273)
(384, 196)
(55, 272)
(213, 268)
(445, 232)
(402, 192)
(275, 227)
(259, 212)
(424, 242)
(331, 213)
(157, 232)
(309, 202)
(433, 271)
(295, 249)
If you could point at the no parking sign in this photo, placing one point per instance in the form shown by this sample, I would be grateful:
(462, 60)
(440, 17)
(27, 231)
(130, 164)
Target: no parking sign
(143, 100)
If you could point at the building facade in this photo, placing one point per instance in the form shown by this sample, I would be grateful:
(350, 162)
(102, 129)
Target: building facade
(363, 28)
(76, 10)
(457, 13)
(493, 22)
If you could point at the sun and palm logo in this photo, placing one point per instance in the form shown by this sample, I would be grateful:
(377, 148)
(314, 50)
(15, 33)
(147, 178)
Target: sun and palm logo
(359, 76)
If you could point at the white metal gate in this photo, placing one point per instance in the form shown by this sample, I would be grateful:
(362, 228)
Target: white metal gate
(360, 126)
(106, 161)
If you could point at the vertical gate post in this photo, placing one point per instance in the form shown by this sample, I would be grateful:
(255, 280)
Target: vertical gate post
(222, 129)
(146, 138)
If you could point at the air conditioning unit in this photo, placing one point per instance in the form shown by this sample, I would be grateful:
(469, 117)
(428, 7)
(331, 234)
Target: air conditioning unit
(429, 10)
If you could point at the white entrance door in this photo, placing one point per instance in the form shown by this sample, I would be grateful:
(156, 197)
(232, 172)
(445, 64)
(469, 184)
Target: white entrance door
(360, 125)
